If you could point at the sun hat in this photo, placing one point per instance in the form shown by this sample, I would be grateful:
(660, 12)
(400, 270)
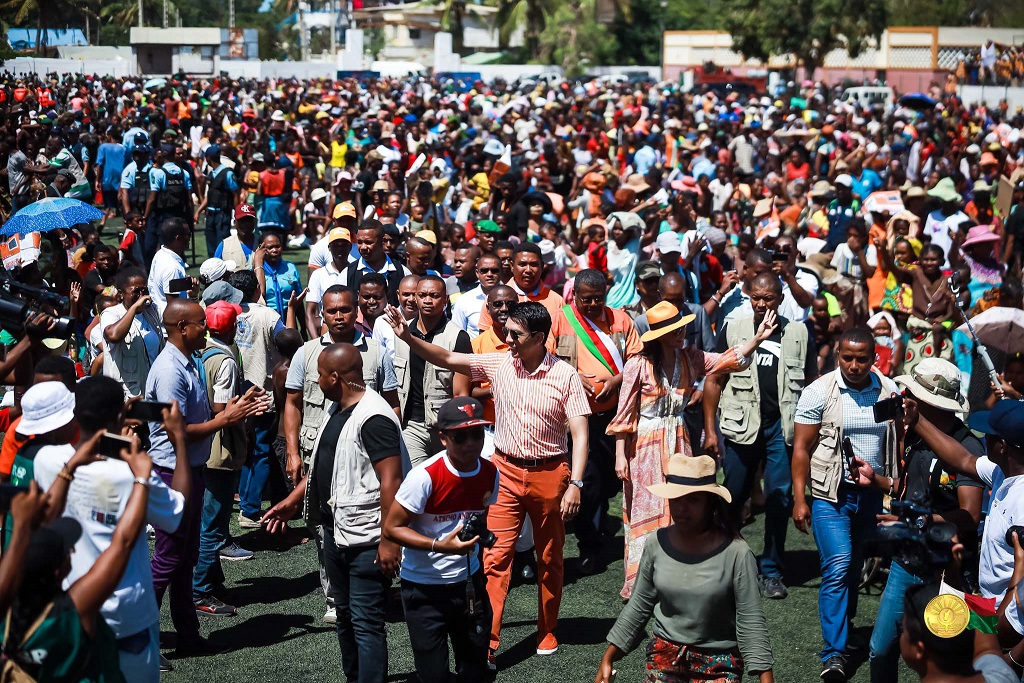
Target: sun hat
(45, 407)
(663, 318)
(988, 159)
(821, 266)
(214, 269)
(669, 243)
(342, 176)
(945, 191)
(636, 183)
(317, 194)
(936, 382)
(461, 412)
(629, 221)
(278, 115)
(685, 475)
(915, 191)
(821, 188)
(979, 234)
(339, 234)
(981, 186)
(345, 210)
(222, 316)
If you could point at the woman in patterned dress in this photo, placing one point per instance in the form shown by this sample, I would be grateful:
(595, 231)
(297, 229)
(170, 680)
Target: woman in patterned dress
(649, 424)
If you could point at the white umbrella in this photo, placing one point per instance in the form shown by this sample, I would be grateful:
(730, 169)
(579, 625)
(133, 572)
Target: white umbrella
(1000, 328)
(154, 83)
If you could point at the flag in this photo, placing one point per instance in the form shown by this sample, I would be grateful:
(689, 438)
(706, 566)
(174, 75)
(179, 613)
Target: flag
(983, 610)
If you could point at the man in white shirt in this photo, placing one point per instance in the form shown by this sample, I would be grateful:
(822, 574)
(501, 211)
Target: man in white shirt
(97, 498)
(947, 218)
(132, 333)
(1003, 471)
(339, 241)
(169, 263)
(466, 310)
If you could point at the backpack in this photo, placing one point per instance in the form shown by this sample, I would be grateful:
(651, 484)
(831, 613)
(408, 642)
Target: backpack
(229, 446)
(10, 669)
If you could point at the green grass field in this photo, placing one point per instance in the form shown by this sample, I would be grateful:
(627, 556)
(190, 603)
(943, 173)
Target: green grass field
(278, 635)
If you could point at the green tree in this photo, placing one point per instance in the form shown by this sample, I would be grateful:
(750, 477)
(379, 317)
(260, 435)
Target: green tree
(807, 29)
(33, 12)
(639, 33)
(532, 15)
(453, 21)
(575, 40)
(376, 41)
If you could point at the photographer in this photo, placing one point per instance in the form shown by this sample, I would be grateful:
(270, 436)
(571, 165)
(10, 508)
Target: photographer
(925, 482)
(97, 496)
(442, 501)
(1003, 427)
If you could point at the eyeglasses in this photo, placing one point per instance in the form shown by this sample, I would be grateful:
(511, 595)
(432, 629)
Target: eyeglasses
(461, 436)
(492, 271)
(517, 335)
(499, 305)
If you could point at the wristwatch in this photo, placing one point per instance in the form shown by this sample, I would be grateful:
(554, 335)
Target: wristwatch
(578, 483)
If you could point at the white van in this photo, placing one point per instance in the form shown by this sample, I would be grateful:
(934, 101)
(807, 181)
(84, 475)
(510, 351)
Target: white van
(864, 96)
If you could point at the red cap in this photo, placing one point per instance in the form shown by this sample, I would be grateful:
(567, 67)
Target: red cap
(222, 316)
(245, 211)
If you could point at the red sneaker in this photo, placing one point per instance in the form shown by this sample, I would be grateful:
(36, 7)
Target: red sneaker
(548, 645)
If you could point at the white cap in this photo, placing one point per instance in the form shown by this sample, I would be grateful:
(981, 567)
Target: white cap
(973, 149)
(214, 269)
(668, 243)
(45, 407)
(844, 179)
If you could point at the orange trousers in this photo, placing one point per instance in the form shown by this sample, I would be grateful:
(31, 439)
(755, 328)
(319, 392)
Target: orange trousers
(537, 492)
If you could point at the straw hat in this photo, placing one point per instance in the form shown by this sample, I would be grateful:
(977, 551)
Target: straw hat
(636, 183)
(936, 382)
(685, 475)
(663, 317)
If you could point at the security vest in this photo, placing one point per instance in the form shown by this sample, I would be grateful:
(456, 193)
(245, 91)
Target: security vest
(355, 489)
(827, 462)
(739, 409)
(229, 446)
(218, 196)
(139, 192)
(173, 198)
(437, 381)
(314, 403)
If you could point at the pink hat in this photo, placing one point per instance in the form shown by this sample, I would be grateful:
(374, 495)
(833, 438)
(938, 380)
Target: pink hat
(979, 234)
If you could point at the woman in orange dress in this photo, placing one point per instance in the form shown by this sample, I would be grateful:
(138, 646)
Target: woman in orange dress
(649, 426)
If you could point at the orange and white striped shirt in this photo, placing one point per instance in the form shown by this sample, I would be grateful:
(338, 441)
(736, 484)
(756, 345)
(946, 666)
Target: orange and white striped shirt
(531, 410)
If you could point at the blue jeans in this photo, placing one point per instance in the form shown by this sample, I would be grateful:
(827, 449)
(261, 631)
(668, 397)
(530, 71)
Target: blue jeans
(256, 470)
(885, 651)
(740, 465)
(359, 591)
(215, 532)
(218, 229)
(840, 530)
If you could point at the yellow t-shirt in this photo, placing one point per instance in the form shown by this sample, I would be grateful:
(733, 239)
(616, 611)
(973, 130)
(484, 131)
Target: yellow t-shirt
(338, 152)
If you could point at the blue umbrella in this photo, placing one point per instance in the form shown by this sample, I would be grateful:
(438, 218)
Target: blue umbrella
(917, 101)
(51, 213)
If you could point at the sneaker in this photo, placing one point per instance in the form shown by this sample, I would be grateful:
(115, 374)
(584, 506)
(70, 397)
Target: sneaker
(330, 616)
(527, 572)
(833, 670)
(212, 607)
(247, 523)
(197, 647)
(165, 665)
(235, 554)
(773, 588)
(548, 645)
(492, 660)
(588, 564)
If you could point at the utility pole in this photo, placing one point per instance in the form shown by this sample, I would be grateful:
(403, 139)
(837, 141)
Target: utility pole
(140, 14)
(303, 42)
(334, 27)
(231, 13)
(165, 13)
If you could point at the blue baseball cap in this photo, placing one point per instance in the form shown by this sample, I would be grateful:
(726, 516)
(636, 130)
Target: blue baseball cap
(212, 151)
(1005, 420)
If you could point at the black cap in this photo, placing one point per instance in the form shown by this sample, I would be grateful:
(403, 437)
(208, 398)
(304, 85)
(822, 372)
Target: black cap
(460, 413)
(50, 544)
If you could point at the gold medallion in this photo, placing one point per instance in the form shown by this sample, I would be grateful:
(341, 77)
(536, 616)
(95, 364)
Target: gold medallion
(946, 616)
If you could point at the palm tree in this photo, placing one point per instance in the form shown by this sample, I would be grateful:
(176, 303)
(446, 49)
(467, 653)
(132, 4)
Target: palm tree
(24, 10)
(452, 20)
(533, 15)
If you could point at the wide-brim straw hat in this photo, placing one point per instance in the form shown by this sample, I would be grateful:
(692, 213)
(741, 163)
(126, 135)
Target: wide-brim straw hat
(685, 475)
(663, 317)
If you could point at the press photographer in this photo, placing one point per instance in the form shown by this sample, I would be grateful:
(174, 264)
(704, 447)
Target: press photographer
(439, 516)
(932, 493)
(1003, 427)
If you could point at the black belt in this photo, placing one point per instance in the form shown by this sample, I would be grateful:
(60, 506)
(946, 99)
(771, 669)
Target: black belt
(529, 463)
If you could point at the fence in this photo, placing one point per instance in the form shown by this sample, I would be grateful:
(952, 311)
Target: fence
(24, 66)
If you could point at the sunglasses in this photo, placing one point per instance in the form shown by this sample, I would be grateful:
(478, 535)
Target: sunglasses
(461, 436)
(493, 271)
(515, 334)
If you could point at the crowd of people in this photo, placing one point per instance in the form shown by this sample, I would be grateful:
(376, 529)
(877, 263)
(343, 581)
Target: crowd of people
(518, 304)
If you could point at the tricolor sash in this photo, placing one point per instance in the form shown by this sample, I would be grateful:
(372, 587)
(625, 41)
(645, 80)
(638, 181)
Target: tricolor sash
(594, 340)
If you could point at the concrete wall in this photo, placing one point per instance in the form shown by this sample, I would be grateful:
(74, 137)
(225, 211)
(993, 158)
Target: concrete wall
(991, 94)
(102, 67)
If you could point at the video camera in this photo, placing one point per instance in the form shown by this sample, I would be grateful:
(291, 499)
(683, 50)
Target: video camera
(20, 302)
(916, 541)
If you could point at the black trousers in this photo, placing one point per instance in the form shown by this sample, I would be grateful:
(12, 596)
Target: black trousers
(435, 614)
(599, 483)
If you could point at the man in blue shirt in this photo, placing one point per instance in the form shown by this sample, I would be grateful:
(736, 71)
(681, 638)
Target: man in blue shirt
(646, 158)
(174, 377)
(109, 166)
(219, 202)
(134, 184)
(865, 181)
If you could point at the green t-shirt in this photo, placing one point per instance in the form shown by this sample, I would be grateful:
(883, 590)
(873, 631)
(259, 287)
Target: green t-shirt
(60, 651)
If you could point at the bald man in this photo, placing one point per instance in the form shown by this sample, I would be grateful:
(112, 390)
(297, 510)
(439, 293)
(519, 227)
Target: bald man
(358, 456)
(173, 377)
